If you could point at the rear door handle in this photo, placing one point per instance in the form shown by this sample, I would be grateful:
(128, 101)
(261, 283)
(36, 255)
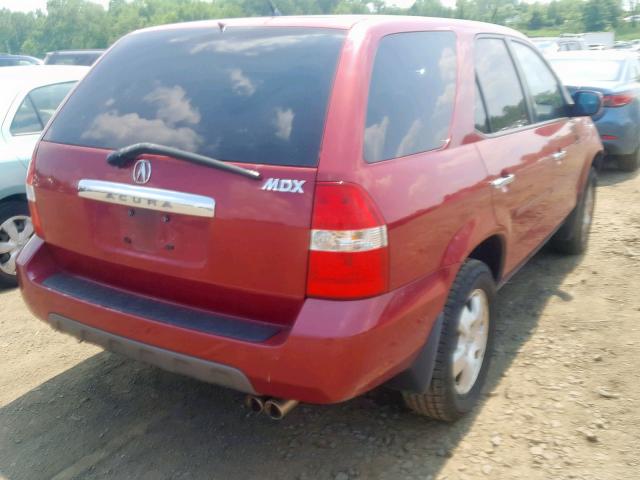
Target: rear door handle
(503, 181)
(559, 156)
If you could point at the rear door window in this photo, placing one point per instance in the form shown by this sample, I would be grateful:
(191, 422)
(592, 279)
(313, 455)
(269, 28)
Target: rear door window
(548, 101)
(243, 94)
(500, 85)
(411, 95)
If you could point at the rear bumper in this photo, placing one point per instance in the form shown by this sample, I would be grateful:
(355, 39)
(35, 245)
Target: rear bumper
(617, 123)
(211, 372)
(334, 351)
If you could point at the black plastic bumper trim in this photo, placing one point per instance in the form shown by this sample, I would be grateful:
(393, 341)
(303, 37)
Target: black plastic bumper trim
(159, 311)
(203, 370)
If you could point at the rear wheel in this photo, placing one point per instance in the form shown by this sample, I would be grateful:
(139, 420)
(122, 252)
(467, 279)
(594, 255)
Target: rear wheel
(464, 349)
(573, 236)
(15, 230)
(629, 163)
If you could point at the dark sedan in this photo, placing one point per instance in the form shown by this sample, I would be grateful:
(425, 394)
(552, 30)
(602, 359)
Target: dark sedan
(73, 57)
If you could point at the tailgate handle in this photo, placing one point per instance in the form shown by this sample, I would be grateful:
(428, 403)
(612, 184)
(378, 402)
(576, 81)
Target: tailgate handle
(124, 156)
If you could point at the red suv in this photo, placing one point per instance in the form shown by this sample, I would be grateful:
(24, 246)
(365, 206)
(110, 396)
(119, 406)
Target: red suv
(305, 208)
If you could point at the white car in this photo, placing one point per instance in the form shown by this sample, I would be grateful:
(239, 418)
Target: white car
(28, 98)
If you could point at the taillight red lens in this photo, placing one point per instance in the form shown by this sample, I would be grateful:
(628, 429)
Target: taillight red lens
(31, 197)
(618, 99)
(348, 255)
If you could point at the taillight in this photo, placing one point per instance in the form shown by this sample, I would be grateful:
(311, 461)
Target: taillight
(348, 255)
(31, 198)
(618, 99)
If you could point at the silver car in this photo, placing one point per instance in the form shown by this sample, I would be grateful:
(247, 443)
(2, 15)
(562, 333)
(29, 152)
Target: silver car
(28, 98)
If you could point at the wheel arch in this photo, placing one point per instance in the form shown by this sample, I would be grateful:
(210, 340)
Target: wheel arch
(598, 161)
(20, 197)
(481, 239)
(417, 378)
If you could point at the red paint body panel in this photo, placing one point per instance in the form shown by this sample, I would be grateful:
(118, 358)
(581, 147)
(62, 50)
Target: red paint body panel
(250, 261)
(233, 263)
(335, 351)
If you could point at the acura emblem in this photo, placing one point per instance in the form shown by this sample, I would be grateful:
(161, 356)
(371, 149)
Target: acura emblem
(141, 171)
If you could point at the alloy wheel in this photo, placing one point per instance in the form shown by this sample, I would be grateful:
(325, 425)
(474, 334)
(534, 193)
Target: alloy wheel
(471, 345)
(15, 232)
(589, 205)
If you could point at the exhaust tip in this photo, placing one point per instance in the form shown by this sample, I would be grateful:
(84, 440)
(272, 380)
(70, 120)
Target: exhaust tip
(255, 404)
(278, 409)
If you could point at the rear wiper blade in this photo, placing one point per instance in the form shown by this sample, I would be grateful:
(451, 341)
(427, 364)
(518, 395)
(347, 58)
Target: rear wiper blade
(126, 155)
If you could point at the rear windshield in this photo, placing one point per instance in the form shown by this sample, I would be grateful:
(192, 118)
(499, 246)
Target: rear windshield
(242, 94)
(577, 71)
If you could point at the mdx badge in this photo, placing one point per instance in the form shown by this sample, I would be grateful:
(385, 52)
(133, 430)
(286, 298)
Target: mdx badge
(141, 171)
(285, 185)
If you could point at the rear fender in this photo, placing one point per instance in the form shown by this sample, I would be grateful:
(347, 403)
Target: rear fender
(467, 239)
(417, 377)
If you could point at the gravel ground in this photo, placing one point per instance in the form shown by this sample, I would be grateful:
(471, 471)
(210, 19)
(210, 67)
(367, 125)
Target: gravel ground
(561, 400)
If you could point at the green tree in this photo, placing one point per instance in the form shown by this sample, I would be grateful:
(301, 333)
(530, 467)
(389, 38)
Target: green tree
(554, 14)
(15, 28)
(601, 14)
(536, 20)
(430, 8)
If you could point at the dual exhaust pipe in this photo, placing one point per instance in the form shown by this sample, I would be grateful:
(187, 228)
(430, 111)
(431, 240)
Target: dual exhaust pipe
(275, 408)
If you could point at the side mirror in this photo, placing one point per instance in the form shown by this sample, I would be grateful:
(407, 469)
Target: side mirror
(587, 103)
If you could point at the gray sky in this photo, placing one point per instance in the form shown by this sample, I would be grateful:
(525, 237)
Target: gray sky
(28, 5)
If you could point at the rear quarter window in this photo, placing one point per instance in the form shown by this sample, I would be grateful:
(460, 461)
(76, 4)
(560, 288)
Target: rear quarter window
(242, 94)
(411, 95)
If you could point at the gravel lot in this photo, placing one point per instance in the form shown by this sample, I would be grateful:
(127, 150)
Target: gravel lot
(562, 399)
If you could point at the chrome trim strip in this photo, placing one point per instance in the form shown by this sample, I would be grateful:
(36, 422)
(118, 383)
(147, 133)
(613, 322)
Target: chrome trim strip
(148, 198)
(503, 181)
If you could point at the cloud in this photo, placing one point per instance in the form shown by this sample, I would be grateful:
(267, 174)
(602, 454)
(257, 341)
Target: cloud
(173, 106)
(131, 128)
(241, 84)
(374, 139)
(284, 123)
(250, 46)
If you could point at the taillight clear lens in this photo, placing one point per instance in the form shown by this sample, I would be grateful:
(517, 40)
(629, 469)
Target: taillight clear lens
(348, 255)
(31, 198)
(618, 99)
(349, 240)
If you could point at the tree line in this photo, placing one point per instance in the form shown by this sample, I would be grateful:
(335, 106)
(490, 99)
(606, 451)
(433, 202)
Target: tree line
(82, 24)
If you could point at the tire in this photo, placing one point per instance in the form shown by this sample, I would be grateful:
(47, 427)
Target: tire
(449, 397)
(629, 163)
(573, 236)
(17, 213)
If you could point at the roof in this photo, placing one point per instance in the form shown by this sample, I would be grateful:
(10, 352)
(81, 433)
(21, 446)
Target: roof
(345, 22)
(16, 79)
(11, 55)
(595, 55)
(76, 52)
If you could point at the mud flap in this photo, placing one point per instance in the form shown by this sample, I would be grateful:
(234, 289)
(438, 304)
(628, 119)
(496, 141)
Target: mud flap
(417, 378)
